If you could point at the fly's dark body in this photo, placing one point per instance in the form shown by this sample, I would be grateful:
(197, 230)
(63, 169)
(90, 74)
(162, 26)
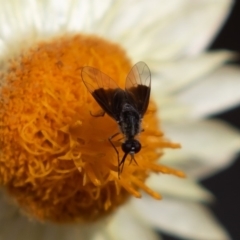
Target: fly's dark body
(129, 121)
(127, 107)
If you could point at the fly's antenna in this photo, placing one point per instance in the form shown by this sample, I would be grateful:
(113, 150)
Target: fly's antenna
(132, 159)
(121, 164)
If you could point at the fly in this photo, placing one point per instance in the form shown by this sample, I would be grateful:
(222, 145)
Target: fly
(127, 107)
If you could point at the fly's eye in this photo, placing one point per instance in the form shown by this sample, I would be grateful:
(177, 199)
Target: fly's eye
(137, 145)
(126, 146)
(131, 145)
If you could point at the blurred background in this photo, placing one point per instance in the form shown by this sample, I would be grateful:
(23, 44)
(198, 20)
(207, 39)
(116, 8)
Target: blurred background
(226, 185)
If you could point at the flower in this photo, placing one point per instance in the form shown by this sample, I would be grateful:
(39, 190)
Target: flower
(51, 141)
(181, 114)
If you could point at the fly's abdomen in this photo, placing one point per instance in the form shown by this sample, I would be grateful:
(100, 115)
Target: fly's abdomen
(129, 121)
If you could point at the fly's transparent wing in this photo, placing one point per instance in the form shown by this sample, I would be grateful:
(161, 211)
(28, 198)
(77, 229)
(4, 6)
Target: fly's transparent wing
(138, 86)
(104, 90)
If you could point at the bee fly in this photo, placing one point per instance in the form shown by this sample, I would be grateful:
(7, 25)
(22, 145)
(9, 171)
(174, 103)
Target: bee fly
(127, 107)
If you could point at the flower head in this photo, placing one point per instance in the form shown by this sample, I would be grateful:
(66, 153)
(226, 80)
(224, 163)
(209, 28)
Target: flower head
(56, 158)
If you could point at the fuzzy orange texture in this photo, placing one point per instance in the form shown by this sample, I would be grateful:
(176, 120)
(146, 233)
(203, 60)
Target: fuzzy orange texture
(56, 160)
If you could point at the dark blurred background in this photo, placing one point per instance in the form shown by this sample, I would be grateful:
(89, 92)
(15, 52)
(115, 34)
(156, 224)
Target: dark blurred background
(225, 185)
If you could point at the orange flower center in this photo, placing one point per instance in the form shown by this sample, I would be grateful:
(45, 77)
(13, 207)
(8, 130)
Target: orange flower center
(56, 160)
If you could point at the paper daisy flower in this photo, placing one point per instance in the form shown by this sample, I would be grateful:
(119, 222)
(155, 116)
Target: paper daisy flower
(57, 164)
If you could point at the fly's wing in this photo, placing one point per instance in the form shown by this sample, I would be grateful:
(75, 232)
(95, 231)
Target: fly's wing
(138, 87)
(104, 90)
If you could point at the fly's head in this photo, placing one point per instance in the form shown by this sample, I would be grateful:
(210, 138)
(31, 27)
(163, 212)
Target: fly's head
(131, 146)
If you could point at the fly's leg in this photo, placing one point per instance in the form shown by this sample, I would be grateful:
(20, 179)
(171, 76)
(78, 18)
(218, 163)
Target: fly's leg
(98, 115)
(110, 140)
(121, 164)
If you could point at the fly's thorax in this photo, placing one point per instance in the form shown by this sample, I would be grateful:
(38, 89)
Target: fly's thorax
(130, 121)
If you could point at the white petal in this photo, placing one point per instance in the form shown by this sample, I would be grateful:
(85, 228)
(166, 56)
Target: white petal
(193, 24)
(187, 220)
(178, 75)
(170, 86)
(125, 226)
(170, 110)
(26, 229)
(207, 146)
(101, 236)
(172, 186)
(215, 93)
(162, 22)
(213, 16)
(31, 21)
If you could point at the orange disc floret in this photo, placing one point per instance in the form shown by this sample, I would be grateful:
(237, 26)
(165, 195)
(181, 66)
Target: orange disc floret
(56, 159)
